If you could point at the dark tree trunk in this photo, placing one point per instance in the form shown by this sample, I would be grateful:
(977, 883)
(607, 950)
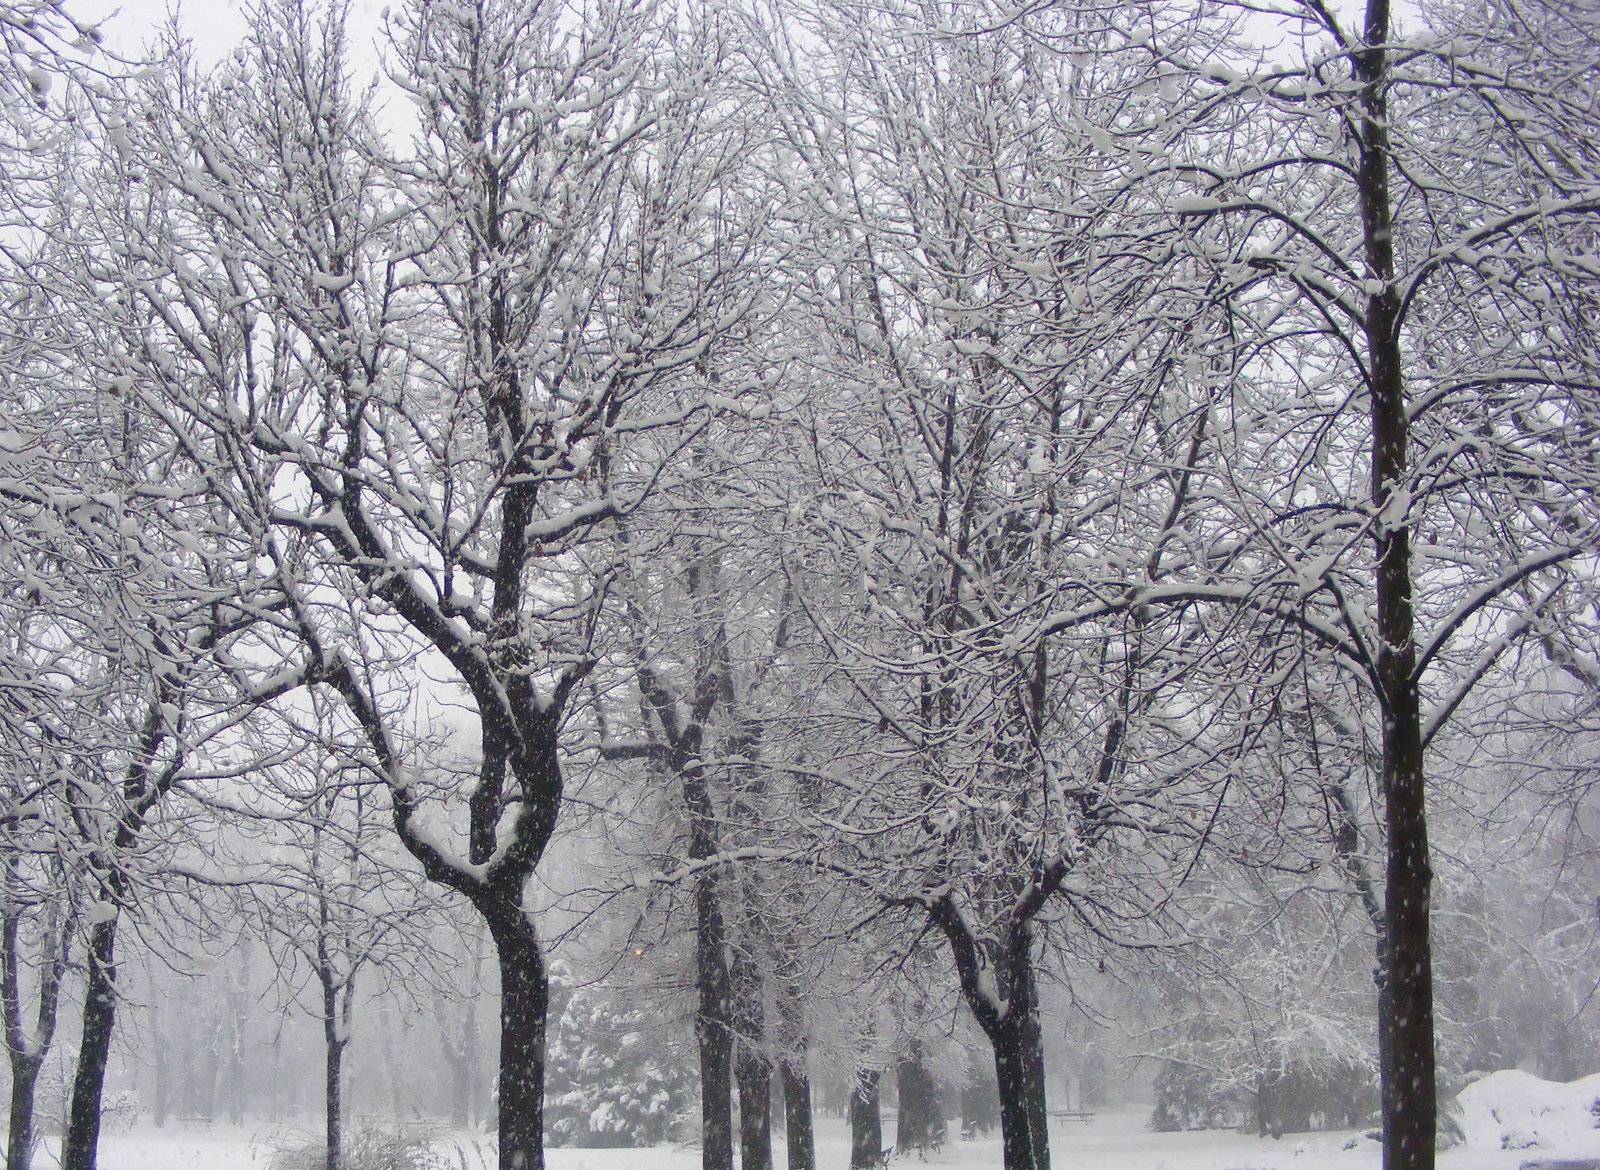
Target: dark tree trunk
(798, 1133)
(81, 1145)
(524, 1002)
(753, 1073)
(24, 1082)
(333, 1099)
(1011, 1022)
(1017, 1061)
(1038, 1105)
(716, 1094)
(713, 1023)
(333, 1069)
(866, 1121)
(751, 1068)
(27, 1052)
(1410, 1105)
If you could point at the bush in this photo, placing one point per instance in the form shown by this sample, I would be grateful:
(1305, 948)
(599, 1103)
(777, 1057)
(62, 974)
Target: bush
(609, 1081)
(367, 1147)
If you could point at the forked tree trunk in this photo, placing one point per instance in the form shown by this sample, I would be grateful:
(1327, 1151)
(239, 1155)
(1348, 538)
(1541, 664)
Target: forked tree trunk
(1011, 1023)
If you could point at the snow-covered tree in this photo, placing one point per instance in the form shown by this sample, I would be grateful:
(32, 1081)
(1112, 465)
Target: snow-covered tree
(1011, 416)
(614, 1079)
(404, 372)
(1396, 214)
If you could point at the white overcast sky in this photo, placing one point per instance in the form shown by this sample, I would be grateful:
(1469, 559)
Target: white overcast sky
(214, 26)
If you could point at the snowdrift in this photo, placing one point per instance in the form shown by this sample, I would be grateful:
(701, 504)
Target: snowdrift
(1514, 1110)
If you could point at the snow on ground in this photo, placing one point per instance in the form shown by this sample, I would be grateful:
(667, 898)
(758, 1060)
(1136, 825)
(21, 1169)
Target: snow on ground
(1517, 1109)
(1114, 1140)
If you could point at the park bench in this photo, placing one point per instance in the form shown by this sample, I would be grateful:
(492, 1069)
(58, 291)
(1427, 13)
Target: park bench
(1083, 1115)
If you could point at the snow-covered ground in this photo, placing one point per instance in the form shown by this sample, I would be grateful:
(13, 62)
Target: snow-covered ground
(1114, 1140)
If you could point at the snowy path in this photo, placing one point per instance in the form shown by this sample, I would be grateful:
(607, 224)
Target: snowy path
(1113, 1141)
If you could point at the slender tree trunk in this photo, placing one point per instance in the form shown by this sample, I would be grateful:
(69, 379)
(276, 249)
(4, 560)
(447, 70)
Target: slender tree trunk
(80, 1148)
(751, 1068)
(798, 1132)
(27, 1052)
(333, 1070)
(24, 1083)
(524, 1002)
(714, 1012)
(1410, 1105)
(275, 1092)
(460, 1095)
(333, 1098)
(866, 1121)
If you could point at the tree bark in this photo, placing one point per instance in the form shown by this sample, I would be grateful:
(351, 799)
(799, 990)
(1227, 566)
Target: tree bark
(1410, 1105)
(714, 1012)
(333, 1098)
(1018, 1058)
(866, 1121)
(798, 1130)
(27, 1053)
(524, 1003)
(333, 1050)
(1011, 1022)
(799, 1133)
(716, 1093)
(751, 1069)
(80, 1147)
(24, 1083)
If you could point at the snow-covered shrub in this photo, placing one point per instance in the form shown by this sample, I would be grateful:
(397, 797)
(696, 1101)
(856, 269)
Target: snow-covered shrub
(367, 1147)
(1190, 1097)
(609, 1081)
